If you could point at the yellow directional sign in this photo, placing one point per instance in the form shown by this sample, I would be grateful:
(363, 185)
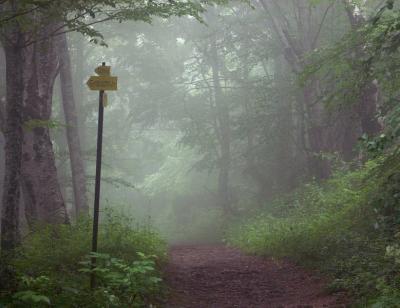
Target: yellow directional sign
(103, 70)
(102, 83)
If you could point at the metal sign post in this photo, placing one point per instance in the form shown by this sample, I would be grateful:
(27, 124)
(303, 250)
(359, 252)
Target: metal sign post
(99, 83)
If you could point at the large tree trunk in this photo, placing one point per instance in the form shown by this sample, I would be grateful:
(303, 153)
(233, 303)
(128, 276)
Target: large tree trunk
(44, 201)
(13, 141)
(2, 116)
(71, 120)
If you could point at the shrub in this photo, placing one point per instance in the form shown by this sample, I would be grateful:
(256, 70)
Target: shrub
(340, 227)
(52, 266)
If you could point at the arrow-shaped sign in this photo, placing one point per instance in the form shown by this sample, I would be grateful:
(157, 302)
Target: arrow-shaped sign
(102, 83)
(103, 70)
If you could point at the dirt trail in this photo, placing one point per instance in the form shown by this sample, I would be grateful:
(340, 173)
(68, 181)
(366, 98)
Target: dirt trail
(219, 277)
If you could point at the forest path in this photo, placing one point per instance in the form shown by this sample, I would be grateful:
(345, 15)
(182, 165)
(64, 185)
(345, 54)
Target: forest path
(219, 277)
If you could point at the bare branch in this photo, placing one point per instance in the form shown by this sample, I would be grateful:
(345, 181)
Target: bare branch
(314, 43)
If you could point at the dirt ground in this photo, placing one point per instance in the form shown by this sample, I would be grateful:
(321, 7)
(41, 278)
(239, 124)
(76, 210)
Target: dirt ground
(217, 276)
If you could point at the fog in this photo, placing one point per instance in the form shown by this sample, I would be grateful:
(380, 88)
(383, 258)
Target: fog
(210, 121)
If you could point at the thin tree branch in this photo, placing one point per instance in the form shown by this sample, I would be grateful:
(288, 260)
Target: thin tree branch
(314, 43)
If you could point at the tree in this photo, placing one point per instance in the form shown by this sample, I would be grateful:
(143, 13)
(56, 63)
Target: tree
(222, 125)
(347, 79)
(298, 36)
(369, 93)
(43, 198)
(19, 44)
(13, 134)
(2, 117)
(71, 120)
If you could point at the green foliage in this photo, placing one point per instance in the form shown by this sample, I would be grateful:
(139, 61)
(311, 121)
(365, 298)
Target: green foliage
(35, 123)
(53, 267)
(32, 292)
(119, 283)
(375, 146)
(342, 227)
(30, 298)
(347, 227)
(80, 16)
(124, 283)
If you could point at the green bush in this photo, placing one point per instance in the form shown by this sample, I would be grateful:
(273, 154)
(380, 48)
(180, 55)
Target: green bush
(53, 267)
(340, 227)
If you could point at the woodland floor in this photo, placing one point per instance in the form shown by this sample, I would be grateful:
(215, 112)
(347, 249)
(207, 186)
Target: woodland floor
(217, 276)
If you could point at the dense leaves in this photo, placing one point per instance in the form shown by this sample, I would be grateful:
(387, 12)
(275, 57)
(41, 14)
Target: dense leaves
(53, 266)
(81, 16)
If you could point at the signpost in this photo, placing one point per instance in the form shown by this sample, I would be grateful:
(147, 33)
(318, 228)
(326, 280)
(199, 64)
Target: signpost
(99, 83)
(103, 82)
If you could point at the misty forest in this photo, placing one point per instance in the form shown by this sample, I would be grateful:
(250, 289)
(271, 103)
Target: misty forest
(200, 153)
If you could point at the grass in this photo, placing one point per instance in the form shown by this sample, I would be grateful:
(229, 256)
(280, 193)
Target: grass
(340, 228)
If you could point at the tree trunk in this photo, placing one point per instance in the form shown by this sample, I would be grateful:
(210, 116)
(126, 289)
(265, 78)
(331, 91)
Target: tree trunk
(348, 130)
(312, 133)
(2, 117)
(223, 117)
(80, 88)
(71, 120)
(367, 109)
(316, 134)
(368, 101)
(13, 142)
(45, 203)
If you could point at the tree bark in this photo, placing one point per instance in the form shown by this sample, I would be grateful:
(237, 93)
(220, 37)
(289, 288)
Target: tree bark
(13, 141)
(71, 120)
(44, 201)
(2, 116)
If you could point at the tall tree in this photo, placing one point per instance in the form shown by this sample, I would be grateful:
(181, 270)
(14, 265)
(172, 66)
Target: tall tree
(44, 200)
(13, 134)
(2, 117)
(223, 128)
(72, 128)
(299, 34)
(48, 20)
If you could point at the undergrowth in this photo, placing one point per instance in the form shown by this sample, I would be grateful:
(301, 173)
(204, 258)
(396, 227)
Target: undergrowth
(53, 266)
(347, 228)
